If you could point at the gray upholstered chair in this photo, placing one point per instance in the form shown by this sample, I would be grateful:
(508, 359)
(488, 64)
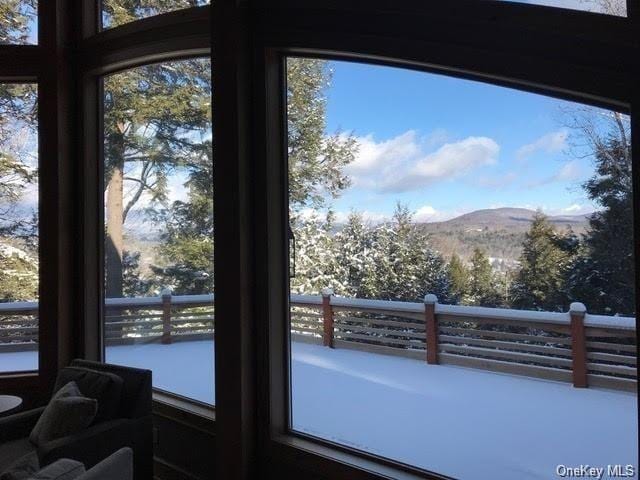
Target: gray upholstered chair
(117, 466)
(123, 420)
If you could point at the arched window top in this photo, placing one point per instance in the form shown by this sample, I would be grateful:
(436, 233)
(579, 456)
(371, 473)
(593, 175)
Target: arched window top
(114, 13)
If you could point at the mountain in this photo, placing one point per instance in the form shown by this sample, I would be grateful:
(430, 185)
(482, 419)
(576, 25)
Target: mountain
(498, 231)
(499, 218)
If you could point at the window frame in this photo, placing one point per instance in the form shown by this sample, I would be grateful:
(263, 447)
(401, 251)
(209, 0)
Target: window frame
(328, 29)
(45, 65)
(177, 35)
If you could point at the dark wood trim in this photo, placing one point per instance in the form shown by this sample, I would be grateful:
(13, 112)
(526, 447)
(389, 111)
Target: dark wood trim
(56, 182)
(584, 69)
(189, 413)
(175, 34)
(234, 253)
(271, 198)
(294, 456)
(163, 470)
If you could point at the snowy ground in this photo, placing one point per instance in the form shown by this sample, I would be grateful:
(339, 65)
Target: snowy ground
(461, 422)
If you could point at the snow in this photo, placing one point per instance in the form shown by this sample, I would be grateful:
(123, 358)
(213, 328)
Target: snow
(465, 423)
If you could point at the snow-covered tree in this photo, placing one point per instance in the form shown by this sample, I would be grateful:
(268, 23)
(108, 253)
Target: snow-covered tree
(603, 274)
(316, 261)
(546, 259)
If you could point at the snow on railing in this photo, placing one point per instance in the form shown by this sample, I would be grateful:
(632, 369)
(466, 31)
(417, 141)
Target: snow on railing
(570, 346)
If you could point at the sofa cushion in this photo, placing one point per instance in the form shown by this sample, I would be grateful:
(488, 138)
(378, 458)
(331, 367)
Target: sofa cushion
(118, 466)
(105, 387)
(68, 412)
(22, 468)
(10, 451)
(63, 469)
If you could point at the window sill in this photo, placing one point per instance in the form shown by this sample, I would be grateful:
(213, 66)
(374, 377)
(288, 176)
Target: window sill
(183, 410)
(335, 462)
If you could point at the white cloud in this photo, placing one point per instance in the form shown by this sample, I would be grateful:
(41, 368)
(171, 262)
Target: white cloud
(569, 172)
(373, 156)
(550, 143)
(404, 162)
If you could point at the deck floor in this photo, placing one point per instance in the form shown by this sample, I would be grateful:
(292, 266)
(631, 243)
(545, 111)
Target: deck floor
(465, 423)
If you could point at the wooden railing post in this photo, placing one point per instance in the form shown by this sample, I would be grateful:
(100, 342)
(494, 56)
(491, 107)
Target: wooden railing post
(327, 316)
(431, 326)
(577, 311)
(166, 316)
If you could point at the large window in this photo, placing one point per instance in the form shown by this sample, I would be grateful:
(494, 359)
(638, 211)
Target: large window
(461, 261)
(158, 174)
(18, 227)
(118, 12)
(18, 22)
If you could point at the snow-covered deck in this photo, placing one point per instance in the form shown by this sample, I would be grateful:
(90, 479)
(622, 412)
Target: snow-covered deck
(465, 423)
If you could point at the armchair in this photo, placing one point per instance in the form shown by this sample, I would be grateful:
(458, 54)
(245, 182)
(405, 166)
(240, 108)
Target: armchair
(123, 420)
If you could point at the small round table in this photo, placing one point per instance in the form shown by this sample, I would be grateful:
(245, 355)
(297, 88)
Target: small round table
(9, 403)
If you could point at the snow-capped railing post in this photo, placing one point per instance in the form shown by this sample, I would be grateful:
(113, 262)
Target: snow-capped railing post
(166, 316)
(327, 316)
(431, 326)
(577, 311)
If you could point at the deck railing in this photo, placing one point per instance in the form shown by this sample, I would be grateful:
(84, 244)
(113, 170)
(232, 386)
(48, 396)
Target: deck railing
(574, 347)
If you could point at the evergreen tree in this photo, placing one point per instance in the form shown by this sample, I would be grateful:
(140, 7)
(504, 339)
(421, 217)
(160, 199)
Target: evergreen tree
(316, 158)
(354, 252)
(603, 275)
(156, 119)
(406, 267)
(317, 261)
(18, 274)
(459, 275)
(544, 265)
(481, 290)
(15, 17)
(119, 12)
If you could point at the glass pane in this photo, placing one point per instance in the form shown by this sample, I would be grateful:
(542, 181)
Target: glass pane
(119, 12)
(18, 227)
(607, 7)
(159, 224)
(447, 238)
(18, 22)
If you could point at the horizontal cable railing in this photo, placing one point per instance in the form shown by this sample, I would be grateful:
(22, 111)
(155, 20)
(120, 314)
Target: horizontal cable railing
(575, 347)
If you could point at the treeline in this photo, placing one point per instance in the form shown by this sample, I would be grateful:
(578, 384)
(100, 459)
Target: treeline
(397, 261)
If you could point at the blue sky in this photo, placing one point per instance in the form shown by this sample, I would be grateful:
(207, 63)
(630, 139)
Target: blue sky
(446, 146)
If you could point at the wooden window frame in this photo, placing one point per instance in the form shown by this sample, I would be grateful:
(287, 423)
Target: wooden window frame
(176, 35)
(47, 65)
(572, 55)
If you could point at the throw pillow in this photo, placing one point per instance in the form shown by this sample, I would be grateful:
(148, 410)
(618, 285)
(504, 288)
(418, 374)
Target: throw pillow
(68, 412)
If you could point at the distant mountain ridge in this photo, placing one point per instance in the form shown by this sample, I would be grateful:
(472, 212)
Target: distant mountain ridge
(499, 232)
(510, 217)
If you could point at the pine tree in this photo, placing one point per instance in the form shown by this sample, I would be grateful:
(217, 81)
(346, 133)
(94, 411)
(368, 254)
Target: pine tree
(459, 275)
(603, 275)
(317, 264)
(119, 12)
(15, 18)
(406, 267)
(316, 158)
(544, 265)
(354, 252)
(156, 119)
(481, 289)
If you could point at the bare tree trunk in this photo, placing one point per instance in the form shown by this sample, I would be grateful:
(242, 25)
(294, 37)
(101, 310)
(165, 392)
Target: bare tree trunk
(114, 244)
